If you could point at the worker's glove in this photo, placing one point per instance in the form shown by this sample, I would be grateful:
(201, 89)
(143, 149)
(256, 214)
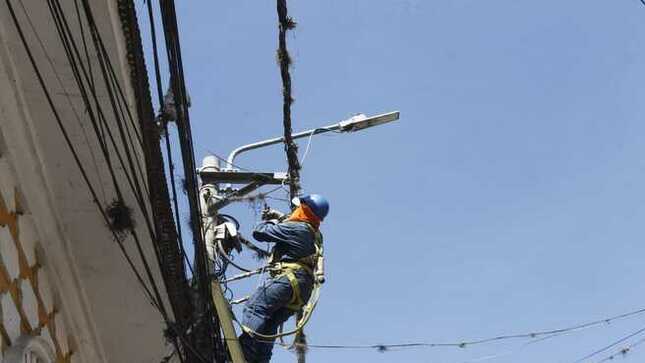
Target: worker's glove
(269, 214)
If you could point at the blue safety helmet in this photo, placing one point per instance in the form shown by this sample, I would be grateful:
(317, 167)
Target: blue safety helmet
(318, 204)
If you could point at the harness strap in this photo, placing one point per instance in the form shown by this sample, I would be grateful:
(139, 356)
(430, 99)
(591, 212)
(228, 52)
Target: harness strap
(307, 264)
(288, 270)
(296, 299)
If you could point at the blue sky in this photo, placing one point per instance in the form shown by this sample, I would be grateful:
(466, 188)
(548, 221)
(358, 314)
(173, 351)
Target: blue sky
(508, 199)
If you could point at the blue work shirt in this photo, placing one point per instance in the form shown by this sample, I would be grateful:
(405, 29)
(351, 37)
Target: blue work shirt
(294, 240)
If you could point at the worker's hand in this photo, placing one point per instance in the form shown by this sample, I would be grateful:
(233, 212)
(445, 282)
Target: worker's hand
(269, 214)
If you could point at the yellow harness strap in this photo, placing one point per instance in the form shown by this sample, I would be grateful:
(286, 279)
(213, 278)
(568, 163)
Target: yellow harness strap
(288, 270)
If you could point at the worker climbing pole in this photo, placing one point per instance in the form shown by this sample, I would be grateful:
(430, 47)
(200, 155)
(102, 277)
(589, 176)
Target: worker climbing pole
(295, 266)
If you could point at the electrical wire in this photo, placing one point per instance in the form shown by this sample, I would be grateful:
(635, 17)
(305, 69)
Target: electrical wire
(230, 218)
(70, 145)
(171, 164)
(622, 352)
(228, 259)
(66, 93)
(513, 351)
(208, 331)
(74, 58)
(71, 50)
(606, 348)
(313, 132)
(304, 156)
(467, 343)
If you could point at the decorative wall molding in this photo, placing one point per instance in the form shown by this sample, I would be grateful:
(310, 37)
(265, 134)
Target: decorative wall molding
(30, 349)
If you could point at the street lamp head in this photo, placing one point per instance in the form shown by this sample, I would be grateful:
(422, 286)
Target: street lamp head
(360, 121)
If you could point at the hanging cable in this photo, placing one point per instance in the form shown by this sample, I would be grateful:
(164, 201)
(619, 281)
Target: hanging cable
(304, 156)
(623, 351)
(71, 148)
(78, 69)
(207, 333)
(68, 44)
(67, 95)
(467, 343)
(171, 164)
(286, 23)
(606, 348)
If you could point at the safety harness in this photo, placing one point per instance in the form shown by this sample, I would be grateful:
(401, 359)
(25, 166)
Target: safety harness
(314, 266)
(309, 264)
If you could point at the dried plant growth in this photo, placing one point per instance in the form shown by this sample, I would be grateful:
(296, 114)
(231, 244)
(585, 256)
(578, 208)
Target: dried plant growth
(287, 23)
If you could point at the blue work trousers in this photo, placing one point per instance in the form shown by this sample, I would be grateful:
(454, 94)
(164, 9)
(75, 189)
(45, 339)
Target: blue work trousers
(266, 310)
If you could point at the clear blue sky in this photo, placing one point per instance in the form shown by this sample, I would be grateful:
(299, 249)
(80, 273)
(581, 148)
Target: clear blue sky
(509, 198)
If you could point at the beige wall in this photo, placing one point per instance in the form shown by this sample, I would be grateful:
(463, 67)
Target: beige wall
(62, 276)
(27, 301)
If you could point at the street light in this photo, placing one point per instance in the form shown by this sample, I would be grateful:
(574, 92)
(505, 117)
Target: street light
(212, 175)
(355, 123)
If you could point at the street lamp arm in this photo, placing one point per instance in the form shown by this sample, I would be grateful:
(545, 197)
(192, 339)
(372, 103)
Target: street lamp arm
(256, 145)
(356, 123)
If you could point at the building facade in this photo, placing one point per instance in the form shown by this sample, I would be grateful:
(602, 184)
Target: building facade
(69, 290)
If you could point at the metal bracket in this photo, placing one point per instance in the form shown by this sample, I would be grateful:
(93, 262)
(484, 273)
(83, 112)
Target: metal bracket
(241, 177)
(228, 199)
(254, 180)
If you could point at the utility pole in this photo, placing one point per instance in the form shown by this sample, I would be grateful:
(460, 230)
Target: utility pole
(209, 190)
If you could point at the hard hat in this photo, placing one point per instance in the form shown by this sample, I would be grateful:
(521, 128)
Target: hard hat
(318, 204)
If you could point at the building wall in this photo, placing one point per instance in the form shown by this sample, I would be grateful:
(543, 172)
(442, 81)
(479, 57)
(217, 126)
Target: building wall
(32, 321)
(64, 281)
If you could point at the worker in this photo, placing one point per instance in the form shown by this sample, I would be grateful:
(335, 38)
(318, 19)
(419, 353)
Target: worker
(295, 265)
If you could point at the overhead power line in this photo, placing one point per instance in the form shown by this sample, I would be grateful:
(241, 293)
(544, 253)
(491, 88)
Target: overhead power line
(164, 122)
(606, 348)
(207, 332)
(108, 75)
(467, 343)
(623, 351)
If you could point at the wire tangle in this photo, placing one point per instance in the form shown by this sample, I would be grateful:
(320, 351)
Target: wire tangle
(206, 332)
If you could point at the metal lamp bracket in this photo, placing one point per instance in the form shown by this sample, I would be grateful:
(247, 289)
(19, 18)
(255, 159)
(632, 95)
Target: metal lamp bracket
(251, 180)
